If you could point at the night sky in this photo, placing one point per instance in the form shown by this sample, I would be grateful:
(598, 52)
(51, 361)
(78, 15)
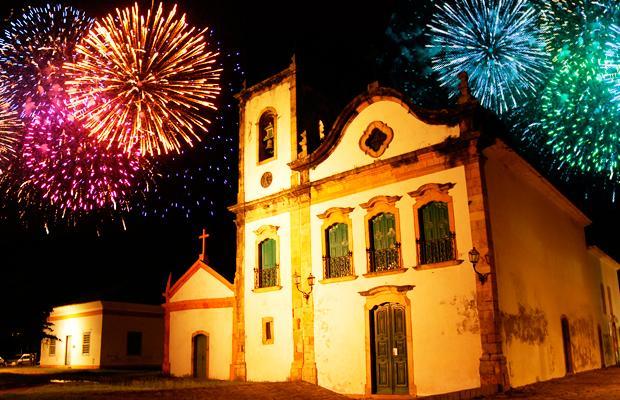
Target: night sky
(337, 42)
(337, 45)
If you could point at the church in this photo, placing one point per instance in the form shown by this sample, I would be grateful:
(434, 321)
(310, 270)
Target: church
(402, 251)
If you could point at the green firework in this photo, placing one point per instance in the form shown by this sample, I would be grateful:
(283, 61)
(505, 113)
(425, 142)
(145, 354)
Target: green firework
(579, 119)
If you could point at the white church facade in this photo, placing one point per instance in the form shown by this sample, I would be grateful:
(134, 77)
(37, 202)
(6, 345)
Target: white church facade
(354, 259)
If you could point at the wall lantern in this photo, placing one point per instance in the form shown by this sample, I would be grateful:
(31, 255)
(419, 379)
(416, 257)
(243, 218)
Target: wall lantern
(474, 257)
(310, 284)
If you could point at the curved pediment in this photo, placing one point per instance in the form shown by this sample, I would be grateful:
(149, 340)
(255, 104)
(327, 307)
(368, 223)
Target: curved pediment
(377, 125)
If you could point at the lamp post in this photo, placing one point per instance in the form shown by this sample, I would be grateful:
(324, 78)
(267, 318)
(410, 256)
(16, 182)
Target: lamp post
(310, 284)
(474, 257)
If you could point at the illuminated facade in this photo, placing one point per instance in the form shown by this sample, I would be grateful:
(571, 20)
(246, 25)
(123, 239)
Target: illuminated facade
(353, 247)
(102, 334)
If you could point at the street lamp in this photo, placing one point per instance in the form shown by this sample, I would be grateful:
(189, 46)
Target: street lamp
(474, 257)
(310, 283)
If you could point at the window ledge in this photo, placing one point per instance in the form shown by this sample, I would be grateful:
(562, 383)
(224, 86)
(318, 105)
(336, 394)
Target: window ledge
(267, 289)
(339, 279)
(443, 264)
(386, 272)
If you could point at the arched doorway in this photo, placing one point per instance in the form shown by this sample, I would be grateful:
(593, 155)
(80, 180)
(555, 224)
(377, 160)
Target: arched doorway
(568, 354)
(388, 330)
(200, 355)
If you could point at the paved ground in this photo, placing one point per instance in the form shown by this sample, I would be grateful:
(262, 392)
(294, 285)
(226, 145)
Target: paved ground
(592, 385)
(63, 384)
(34, 384)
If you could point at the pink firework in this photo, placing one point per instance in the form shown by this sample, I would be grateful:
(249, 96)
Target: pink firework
(70, 169)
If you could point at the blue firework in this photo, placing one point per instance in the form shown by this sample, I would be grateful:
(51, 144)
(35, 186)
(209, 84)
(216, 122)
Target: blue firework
(33, 48)
(496, 42)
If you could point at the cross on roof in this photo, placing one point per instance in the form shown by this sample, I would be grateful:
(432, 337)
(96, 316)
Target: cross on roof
(203, 237)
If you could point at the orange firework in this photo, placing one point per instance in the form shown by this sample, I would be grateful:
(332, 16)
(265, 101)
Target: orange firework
(10, 127)
(144, 80)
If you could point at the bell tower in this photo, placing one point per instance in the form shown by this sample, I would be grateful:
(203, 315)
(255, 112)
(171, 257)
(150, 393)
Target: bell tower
(267, 135)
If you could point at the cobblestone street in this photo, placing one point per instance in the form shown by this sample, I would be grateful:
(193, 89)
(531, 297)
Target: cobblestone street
(592, 385)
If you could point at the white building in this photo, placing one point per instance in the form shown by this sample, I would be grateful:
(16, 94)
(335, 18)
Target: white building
(104, 334)
(353, 256)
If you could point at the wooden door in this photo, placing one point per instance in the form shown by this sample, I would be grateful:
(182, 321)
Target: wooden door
(600, 345)
(68, 350)
(614, 341)
(389, 330)
(201, 356)
(568, 354)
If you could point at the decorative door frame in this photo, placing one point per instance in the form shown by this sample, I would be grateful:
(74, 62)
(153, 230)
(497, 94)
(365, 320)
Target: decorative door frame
(377, 296)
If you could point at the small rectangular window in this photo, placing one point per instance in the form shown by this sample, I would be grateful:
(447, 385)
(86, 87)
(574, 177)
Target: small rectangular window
(52, 349)
(268, 330)
(134, 343)
(86, 343)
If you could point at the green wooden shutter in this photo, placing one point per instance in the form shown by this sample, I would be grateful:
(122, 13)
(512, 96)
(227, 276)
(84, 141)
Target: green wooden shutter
(268, 253)
(436, 245)
(390, 229)
(435, 221)
(338, 240)
(383, 231)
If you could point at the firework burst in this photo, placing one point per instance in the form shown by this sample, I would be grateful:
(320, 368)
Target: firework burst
(579, 120)
(496, 42)
(576, 27)
(33, 48)
(612, 63)
(157, 75)
(71, 170)
(579, 114)
(10, 129)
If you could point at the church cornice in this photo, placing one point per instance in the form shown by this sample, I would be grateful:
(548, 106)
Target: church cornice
(448, 154)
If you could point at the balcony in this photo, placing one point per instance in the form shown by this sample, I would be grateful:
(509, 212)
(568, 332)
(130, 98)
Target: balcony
(437, 250)
(382, 260)
(337, 267)
(267, 277)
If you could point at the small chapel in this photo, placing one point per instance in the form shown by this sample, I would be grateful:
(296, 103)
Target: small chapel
(393, 250)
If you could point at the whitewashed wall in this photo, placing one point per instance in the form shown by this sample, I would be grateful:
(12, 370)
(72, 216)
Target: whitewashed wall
(445, 328)
(269, 362)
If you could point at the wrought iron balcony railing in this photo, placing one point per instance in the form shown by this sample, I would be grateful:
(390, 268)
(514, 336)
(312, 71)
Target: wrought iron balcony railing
(384, 259)
(266, 277)
(437, 250)
(337, 267)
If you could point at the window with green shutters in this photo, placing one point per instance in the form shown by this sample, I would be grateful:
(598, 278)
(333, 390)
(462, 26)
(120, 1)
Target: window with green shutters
(436, 242)
(384, 252)
(337, 261)
(268, 254)
(267, 275)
